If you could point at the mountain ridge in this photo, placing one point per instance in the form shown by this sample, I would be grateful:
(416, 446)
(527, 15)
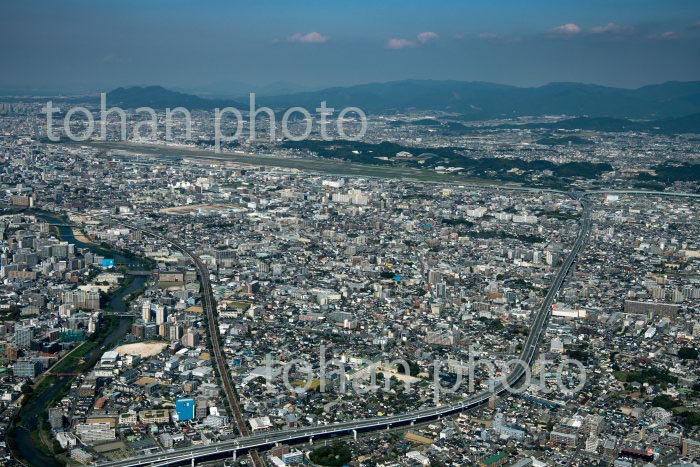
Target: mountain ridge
(480, 100)
(472, 99)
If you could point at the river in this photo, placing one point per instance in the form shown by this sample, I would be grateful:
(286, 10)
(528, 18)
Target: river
(32, 412)
(66, 234)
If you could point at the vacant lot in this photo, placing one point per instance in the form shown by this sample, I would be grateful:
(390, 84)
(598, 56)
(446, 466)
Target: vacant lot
(143, 349)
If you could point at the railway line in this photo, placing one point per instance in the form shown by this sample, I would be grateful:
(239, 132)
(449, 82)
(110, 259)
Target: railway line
(264, 440)
(219, 360)
(251, 442)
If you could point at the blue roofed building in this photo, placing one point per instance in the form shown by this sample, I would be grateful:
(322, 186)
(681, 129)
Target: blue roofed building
(185, 408)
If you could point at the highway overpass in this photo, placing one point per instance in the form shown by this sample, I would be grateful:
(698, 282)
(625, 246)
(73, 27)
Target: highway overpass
(244, 444)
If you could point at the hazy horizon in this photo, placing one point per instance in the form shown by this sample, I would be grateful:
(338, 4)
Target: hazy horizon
(242, 90)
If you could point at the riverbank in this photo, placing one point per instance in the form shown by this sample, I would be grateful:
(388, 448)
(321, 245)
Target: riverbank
(80, 236)
(66, 232)
(30, 437)
(31, 422)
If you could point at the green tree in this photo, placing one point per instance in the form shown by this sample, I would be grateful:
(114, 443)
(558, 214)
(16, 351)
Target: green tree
(335, 455)
(688, 353)
(664, 402)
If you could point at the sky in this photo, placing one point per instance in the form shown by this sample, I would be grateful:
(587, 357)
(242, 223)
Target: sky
(206, 44)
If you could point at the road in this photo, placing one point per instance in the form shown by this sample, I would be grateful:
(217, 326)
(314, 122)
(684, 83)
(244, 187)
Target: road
(219, 359)
(644, 192)
(249, 442)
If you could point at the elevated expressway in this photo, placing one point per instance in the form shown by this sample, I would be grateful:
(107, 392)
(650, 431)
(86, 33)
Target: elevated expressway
(251, 442)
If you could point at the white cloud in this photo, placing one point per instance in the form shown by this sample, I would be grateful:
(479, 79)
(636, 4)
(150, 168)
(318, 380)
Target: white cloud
(612, 28)
(568, 29)
(422, 38)
(399, 44)
(427, 36)
(308, 38)
(668, 36)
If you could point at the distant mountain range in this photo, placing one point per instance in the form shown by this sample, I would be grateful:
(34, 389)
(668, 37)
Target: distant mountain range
(157, 97)
(477, 100)
(231, 89)
(471, 100)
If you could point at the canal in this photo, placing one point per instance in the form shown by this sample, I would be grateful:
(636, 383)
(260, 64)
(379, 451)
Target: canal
(28, 438)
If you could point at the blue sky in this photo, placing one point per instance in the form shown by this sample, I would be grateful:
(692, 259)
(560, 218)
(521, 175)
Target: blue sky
(100, 44)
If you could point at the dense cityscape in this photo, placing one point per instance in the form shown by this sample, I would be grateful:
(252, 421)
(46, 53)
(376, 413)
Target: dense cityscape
(349, 234)
(343, 297)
